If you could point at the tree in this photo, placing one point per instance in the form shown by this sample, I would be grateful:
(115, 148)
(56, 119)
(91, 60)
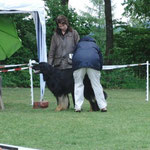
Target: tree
(64, 2)
(96, 17)
(109, 31)
(55, 8)
(102, 22)
(139, 9)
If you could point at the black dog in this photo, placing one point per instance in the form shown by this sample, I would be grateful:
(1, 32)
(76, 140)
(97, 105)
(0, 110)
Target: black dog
(61, 82)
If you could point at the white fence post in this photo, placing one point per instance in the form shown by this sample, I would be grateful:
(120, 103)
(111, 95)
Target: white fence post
(1, 101)
(147, 81)
(31, 81)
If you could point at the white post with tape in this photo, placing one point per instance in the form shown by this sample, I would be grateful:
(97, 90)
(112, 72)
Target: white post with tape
(31, 81)
(147, 81)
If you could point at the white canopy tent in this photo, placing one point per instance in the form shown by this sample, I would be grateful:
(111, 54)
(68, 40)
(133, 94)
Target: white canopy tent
(36, 9)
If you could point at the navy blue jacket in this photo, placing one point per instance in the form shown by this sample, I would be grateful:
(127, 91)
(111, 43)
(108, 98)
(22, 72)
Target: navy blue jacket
(87, 55)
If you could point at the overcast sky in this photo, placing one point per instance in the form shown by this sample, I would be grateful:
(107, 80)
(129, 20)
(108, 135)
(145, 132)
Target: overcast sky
(81, 5)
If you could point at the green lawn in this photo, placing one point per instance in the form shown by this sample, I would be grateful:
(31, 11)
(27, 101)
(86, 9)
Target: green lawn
(126, 125)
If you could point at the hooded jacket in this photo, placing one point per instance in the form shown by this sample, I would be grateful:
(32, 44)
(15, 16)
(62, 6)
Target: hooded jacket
(60, 48)
(87, 54)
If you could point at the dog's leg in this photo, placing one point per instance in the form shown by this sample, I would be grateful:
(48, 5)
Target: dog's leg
(68, 101)
(93, 105)
(105, 95)
(65, 102)
(73, 98)
(62, 103)
(57, 100)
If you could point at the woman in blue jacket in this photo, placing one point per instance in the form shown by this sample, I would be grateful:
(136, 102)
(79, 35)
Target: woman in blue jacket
(88, 59)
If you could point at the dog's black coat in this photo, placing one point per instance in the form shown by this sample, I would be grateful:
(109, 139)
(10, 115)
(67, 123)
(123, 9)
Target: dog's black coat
(61, 82)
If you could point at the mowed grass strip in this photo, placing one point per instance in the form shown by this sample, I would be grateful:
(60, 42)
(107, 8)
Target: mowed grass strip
(126, 125)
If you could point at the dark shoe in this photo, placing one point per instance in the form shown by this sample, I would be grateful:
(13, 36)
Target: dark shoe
(77, 110)
(104, 110)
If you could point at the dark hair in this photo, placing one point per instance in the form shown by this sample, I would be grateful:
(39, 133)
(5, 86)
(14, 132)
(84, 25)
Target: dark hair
(63, 20)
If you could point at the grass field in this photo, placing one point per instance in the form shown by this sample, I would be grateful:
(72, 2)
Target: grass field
(126, 125)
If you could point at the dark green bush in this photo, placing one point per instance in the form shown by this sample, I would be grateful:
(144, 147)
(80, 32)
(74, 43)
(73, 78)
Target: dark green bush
(19, 79)
(131, 45)
(122, 78)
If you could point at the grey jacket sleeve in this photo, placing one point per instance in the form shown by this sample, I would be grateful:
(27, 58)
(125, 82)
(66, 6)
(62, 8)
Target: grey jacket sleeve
(76, 37)
(52, 51)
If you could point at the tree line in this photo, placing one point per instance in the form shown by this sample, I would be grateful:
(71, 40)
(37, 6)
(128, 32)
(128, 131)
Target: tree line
(120, 42)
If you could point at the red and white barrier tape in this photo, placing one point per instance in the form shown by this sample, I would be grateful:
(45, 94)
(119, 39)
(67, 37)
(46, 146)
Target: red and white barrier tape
(111, 67)
(105, 67)
(108, 67)
(16, 69)
(10, 66)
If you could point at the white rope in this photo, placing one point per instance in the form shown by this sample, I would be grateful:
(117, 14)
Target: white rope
(110, 67)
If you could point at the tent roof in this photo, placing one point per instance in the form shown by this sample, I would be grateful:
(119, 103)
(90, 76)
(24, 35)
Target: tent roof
(24, 5)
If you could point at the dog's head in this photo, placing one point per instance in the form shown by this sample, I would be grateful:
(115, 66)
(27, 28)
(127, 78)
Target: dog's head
(43, 68)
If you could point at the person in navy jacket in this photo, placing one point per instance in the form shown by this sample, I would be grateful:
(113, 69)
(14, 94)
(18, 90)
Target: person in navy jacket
(87, 58)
